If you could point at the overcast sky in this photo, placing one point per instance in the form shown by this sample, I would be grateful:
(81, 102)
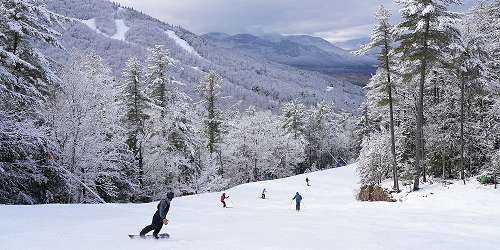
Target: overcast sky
(334, 20)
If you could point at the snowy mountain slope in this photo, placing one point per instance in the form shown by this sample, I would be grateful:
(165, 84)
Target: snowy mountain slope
(352, 44)
(301, 51)
(455, 218)
(116, 33)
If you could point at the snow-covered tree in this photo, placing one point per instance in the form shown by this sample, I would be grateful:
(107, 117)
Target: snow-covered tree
(425, 30)
(209, 90)
(294, 118)
(134, 101)
(27, 173)
(91, 143)
(171, 141)
(156, 77)
(257, 148)
(382, 39)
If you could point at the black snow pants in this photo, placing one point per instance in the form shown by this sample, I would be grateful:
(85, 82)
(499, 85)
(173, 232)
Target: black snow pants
(297, 206)
(156, 225)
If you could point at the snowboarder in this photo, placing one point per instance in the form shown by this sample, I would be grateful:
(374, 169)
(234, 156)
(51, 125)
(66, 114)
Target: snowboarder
(159, 218)
(263, 194)
(298, 199)
(223, 198)
(307, 181)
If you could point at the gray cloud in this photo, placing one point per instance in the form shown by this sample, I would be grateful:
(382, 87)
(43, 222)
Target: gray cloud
(334, 20)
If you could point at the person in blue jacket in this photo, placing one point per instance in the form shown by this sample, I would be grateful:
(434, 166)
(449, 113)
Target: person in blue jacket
(298, 199)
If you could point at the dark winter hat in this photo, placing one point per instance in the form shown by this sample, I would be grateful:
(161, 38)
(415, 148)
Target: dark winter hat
(170, 195)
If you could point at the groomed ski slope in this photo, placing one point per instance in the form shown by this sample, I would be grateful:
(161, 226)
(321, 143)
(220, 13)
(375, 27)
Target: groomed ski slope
(454, 218)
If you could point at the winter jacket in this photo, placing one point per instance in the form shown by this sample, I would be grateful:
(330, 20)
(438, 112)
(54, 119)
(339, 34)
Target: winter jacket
(297, 198)
(223, 197)
(163, 207)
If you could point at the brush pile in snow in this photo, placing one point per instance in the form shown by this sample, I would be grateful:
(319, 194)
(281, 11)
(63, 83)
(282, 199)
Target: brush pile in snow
(374, 193)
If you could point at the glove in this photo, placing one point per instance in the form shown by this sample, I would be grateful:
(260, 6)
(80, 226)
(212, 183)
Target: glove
(165, 221)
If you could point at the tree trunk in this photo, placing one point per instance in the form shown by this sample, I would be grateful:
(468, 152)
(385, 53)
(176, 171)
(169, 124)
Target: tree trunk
(391, 118)
(462, 86)
(418, 132)
(424, 169)
(141, 169)
(442, 165)
(420, 111)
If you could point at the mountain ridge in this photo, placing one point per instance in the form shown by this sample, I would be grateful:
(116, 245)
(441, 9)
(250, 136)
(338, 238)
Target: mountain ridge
(248, 79)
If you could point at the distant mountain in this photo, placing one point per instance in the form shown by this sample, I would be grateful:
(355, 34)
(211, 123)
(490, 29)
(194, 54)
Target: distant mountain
(352, 44)
(117, 33)
(300, 51)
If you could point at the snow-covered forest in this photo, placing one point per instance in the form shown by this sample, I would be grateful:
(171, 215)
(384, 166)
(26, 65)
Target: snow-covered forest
(432, 108)
(75, 133)
(79, 127)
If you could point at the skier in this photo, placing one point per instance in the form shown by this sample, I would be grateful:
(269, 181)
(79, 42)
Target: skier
(307, 181)
(338, 165)
(298, 199)
(222, 199)
(263, 194)
(159, 218)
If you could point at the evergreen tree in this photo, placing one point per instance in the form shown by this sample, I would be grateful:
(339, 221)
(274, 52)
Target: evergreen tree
(156, 77)
(382, 38)
(209, 89)
(294, 119)
(426, 29)
(27, 170)
(135, 116)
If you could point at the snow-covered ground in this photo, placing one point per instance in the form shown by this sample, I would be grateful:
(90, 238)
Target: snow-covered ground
(121, 30)
(181, 43)
(92, 25)
(455, 218)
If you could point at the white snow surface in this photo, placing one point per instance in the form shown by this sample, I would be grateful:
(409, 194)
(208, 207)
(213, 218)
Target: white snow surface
(458, 217)
(121, 30)
(92, 25)
(183, 44)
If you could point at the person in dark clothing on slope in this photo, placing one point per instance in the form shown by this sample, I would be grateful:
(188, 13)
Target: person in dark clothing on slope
(263, 196)
(159, 218)
(223, 198)
(307, 181)
(298, 199)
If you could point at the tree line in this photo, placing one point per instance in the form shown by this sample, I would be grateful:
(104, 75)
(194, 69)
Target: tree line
(432, 106)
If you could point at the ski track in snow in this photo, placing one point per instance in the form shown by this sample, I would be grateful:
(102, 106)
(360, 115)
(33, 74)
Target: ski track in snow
(92, 25)
(183, 44)
(121, 30)
(455, 218)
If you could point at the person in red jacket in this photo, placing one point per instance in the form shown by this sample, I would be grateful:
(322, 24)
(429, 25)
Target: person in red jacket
(222, 199)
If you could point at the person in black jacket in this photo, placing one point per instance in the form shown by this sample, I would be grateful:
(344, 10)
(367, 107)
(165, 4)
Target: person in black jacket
(159, 218)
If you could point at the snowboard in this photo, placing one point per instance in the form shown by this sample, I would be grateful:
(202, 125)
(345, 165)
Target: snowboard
(161, 236)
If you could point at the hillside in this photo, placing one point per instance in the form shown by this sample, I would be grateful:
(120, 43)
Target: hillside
(116, 33)
(299, 51)
(451, 218)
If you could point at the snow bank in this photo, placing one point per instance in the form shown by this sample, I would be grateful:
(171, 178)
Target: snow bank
(183, 44)
(454, 218)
